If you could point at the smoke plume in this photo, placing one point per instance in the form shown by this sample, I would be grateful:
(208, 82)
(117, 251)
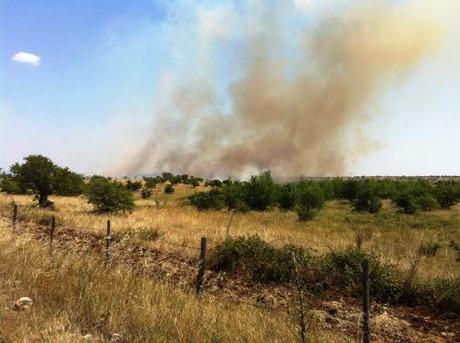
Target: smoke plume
(298, 96)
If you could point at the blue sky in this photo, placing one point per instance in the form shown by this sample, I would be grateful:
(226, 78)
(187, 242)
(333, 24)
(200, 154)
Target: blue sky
(104, 64)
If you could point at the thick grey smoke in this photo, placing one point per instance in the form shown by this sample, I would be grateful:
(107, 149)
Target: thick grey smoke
(295, 113)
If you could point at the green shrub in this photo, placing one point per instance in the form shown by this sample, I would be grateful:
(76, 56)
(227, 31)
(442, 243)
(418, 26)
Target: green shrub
(233, 195)
(367, 203)
(427, 202)
(287, 196)
(309, 201)
(304, 213)
(109, 196)
(10, 186)
(66, 182)
(342, 271)
(447, 295)
(447, 193)
(169, 189)
(257, 259)
(133, 185)
(259, 192)
(213, 183)
(146, 193)
(207, 200)
(337, 271)
(150, 182)
(406, 203)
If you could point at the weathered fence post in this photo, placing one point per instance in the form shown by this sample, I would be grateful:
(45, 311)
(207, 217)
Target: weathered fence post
(15, 217)
(365, 284)
(107, 243)
(201, 266)
(52, 228)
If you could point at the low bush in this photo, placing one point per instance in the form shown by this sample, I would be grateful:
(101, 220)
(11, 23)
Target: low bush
(447, 295)
(10, 186)
(257, 259)
(146, 193)
(427, 202)
(366, 199)
(207, 200)
(337, 271)
(169, 189)
(406, 203)
(447, 193)
(342, 272)
(287, 196)
(133, 185)
(309, 201)
(259, 192)
(109, 196)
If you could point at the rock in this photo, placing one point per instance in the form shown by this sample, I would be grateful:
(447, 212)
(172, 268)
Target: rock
(87, 337)
(23, 303)
(116, 337)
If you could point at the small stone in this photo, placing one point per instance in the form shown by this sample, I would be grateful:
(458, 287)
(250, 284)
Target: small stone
(23, 303)
(87, 337)
(116, 337)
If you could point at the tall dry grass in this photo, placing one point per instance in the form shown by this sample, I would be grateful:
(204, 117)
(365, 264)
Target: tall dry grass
(395, 236)
(76, 296)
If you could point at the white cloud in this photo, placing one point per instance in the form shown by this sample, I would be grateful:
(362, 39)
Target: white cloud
(27, 58)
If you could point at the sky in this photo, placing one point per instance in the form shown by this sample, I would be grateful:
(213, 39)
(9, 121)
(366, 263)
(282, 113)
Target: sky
(82, 81)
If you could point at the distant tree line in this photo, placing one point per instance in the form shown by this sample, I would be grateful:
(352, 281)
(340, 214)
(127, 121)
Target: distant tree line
(307, 197)
(40, 176)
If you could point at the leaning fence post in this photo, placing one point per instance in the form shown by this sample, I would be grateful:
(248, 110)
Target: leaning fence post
(107, 243)
(201, 266)
(52, 228)
(15, 217)
(365, 284)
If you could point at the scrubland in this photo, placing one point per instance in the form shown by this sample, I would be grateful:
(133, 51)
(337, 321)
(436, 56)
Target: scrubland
(78, 298)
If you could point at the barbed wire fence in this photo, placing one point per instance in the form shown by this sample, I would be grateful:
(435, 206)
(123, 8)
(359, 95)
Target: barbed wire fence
(204, 249)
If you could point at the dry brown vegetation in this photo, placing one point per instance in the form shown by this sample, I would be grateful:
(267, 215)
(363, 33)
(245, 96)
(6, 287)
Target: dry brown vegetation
(76, 294)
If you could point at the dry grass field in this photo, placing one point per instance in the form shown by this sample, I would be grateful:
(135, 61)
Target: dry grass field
(78, 299)
(394, 236)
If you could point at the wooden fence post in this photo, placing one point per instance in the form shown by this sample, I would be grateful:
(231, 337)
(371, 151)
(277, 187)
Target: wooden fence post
(52, 228)
(365, 284)
(201, 266)
(107, 243)
(15, 217)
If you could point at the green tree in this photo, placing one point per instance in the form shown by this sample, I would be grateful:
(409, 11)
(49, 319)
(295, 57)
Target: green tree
(36, 173)
(109, 196)
(66, 182)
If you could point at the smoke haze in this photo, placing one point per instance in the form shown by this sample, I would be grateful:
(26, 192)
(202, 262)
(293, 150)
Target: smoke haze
(298, 96)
